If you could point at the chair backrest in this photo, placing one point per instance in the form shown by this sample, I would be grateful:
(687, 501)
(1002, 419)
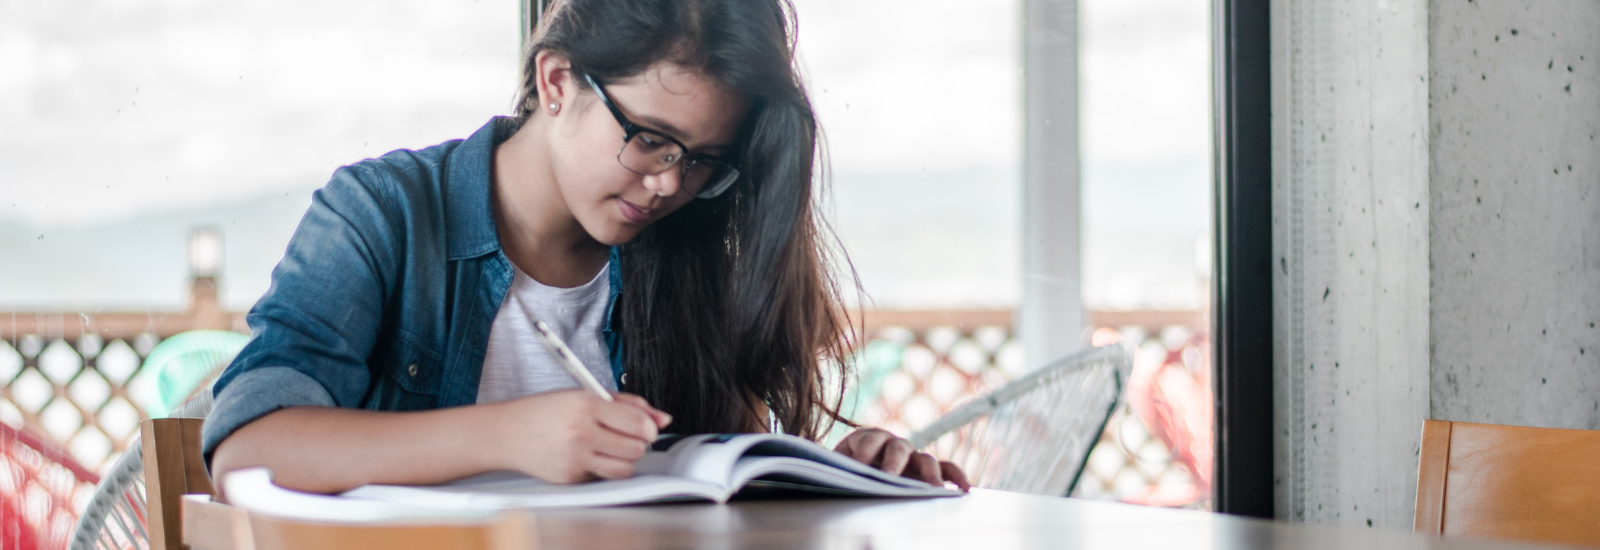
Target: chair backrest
(185, 365)
(216, 526)
(1530, 484)
(1033, 434)
(173, 467)
(117, 514)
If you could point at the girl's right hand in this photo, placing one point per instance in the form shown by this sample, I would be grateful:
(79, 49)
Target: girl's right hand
(571, 436)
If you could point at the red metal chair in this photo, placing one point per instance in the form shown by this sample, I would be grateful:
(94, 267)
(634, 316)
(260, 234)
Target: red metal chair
(39, 487)
(1173, 397)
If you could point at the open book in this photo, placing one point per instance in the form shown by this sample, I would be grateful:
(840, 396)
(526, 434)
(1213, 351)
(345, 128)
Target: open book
(709, 467)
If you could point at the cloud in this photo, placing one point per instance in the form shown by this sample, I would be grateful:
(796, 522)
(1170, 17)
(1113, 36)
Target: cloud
(905, 85)
(112, 110)
(1145, 78)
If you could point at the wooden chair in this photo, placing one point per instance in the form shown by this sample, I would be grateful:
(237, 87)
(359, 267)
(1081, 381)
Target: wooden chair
(115, 516)
(1509, 482)
(174, 468)
(212, 526)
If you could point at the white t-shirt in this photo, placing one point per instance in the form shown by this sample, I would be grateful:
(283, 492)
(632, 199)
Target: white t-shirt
(517, 365)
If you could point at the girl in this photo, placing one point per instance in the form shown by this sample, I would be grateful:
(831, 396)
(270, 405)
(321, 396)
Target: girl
(651, 200)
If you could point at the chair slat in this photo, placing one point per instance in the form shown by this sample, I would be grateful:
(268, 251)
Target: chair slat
(1510, 482)
(1431, 469)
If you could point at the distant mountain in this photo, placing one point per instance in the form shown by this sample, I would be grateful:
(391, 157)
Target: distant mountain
(943, 239)
(142, 262)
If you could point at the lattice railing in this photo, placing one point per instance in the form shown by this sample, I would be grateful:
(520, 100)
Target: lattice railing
(75, 376)
(83, 390)
(77, 393)
(915, 368)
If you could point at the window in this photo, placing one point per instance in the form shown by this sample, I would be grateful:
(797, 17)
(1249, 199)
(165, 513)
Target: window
(131, 125)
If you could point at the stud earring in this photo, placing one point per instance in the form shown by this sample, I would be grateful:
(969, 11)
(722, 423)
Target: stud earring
(554, 107)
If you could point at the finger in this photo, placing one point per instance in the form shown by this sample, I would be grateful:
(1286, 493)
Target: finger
(868, 448)
(610, 467)
(896, 454)
(661, 419)
(852, 442)
(955, 475)
(627, 420)
(616, 445)
(844, 444)
(925, 468)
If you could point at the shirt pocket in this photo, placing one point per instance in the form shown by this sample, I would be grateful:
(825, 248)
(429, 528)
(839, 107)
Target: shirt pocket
(416, 369)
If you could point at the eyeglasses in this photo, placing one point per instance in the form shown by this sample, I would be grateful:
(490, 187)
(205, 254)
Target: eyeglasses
(647, 152)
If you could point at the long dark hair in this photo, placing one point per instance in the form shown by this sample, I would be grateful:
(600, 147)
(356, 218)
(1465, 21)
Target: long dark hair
(728, 309)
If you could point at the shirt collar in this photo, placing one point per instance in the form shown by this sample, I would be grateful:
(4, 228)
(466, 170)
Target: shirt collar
(469, 204)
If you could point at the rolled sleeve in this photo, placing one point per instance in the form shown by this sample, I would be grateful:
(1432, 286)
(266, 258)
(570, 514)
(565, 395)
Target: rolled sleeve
(252, 395)
(314, 329)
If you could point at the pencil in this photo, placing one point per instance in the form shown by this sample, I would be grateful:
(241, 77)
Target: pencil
(569, 360)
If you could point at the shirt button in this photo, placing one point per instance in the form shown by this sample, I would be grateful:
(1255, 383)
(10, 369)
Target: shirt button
(624, 378)
(411, 370)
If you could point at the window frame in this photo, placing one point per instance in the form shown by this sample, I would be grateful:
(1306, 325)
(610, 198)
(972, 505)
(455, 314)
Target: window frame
(1242, 255)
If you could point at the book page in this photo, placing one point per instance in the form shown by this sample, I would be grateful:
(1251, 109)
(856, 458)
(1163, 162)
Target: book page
(731, 460)
(800, 473)
(252, 489)
(704, 457)
(809, 451)
(707, 466)
(506, 490)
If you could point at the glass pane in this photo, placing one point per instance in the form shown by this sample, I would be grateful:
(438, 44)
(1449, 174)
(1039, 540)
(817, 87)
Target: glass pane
(1146, 132)
(921, 105)
(156, 156)
(131, 122)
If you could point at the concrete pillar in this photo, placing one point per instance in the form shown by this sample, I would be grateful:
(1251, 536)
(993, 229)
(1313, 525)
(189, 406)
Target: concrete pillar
(1350, 221)
(1437, 224)
(1050, 319)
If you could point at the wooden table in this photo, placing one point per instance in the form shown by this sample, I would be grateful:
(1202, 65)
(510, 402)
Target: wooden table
(987, 520)
(984, 520)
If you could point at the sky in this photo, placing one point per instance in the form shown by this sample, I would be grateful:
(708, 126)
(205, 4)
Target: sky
(125, 122)
(111, 108)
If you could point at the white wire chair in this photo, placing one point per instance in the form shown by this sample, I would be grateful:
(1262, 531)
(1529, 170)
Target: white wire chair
(1033, 434)
(115, 516)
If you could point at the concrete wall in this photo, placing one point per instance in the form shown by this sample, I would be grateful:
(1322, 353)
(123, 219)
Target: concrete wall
(1437, 221)
(1516, 212)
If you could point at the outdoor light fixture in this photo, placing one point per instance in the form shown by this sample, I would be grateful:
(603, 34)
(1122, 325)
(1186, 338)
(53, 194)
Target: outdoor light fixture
(205, 252)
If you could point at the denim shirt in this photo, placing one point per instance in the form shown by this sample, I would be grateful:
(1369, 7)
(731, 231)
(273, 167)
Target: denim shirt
(384, 298)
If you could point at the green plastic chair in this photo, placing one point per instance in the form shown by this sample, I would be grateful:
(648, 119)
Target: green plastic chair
(184, 363)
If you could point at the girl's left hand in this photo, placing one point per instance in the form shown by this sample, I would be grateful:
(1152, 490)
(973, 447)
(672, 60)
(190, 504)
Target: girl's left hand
(885, 451)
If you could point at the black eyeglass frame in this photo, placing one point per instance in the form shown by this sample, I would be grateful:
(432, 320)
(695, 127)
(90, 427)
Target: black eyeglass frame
(684, 163)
